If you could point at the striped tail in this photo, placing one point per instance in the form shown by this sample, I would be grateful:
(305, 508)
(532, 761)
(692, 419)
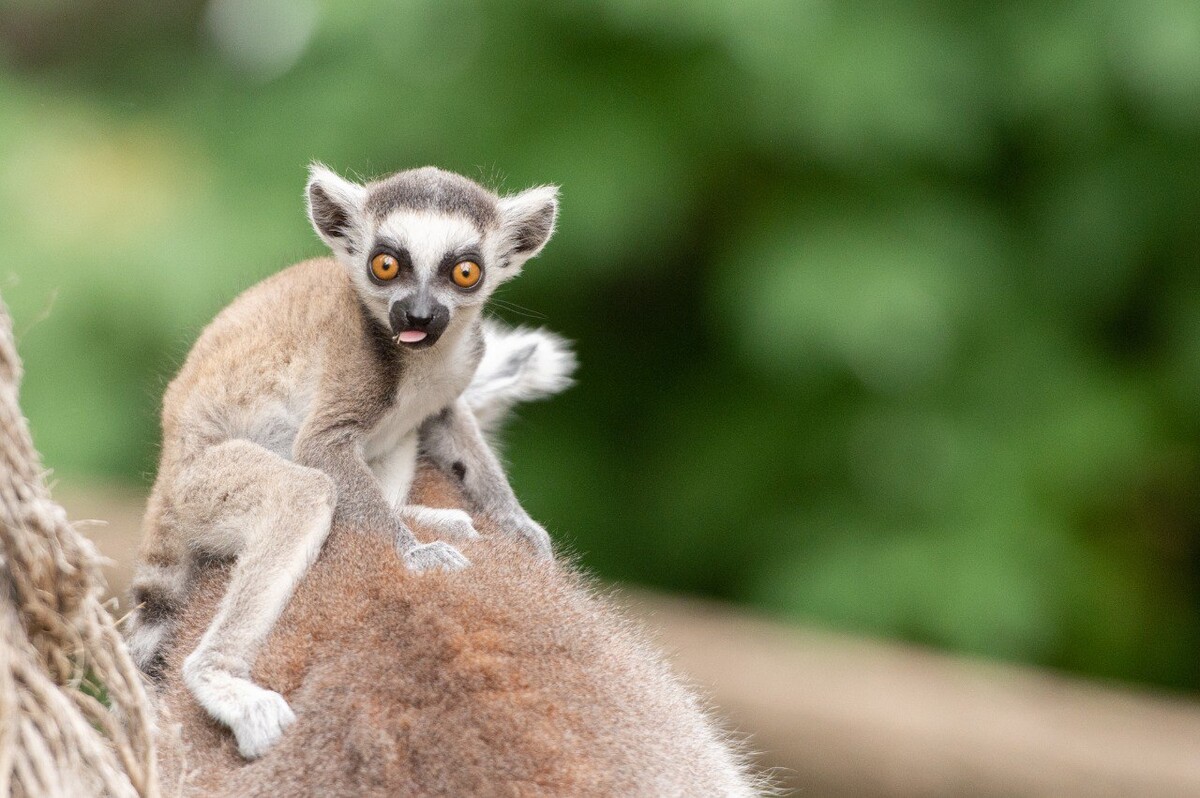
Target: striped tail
(157, 594)
(519, 365)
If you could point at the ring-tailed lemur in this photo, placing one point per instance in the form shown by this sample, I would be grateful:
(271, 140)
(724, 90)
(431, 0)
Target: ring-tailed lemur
(304, 402)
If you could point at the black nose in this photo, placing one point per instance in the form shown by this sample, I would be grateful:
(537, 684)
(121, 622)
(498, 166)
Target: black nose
(419, 312)
(418, 319)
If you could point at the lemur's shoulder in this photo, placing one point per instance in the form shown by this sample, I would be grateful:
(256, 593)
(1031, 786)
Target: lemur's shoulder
(300, 293)
(280, 326)
(297, 304)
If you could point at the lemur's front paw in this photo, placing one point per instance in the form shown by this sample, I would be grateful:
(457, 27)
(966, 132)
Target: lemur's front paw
(263, 718)
(425, 556)
(537, 537)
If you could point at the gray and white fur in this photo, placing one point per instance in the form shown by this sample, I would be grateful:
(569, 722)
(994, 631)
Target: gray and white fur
(306, 401)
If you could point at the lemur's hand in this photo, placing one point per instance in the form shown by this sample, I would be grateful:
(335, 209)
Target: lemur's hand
(438, 554)
(532, 532)
(444, 524)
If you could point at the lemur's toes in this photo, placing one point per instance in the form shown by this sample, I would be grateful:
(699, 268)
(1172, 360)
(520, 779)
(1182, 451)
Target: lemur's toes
(435, 555)
(537, 536)
(263, 718)
(454, 524)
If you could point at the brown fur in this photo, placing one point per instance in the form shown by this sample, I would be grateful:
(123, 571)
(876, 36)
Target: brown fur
(510, 678)
(259, 349)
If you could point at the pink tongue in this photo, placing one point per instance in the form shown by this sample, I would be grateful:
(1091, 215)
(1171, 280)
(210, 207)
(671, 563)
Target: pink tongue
(411, 336)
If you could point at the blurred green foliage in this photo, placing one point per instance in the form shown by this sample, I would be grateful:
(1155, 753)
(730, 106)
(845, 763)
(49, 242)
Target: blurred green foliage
(889, 313)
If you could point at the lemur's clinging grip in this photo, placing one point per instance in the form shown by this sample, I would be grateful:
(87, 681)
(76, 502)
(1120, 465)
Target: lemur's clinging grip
(304, 404)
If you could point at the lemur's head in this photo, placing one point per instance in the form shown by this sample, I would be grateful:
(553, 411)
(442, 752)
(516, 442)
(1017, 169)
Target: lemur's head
(424, 244)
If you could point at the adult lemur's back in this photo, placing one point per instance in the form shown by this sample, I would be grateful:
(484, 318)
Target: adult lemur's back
(511, 678)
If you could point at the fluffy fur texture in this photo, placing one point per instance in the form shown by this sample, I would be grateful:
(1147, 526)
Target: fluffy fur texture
(511, 678)
(520, 365)
(303, 405)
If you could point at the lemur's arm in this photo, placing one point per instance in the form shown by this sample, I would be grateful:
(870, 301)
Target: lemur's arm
(453, 441)
(361, 504)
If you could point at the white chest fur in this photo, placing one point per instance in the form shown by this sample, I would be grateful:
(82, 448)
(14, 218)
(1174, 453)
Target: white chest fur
(431, 381)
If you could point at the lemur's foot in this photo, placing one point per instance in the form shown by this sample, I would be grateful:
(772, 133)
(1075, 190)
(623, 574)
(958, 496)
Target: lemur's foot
(453, 524)
(441, 523)
(263, 720)
(438, 554)
(536, 536)
(256, 716)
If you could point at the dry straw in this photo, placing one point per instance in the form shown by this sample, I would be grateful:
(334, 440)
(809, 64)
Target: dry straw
(55, 738)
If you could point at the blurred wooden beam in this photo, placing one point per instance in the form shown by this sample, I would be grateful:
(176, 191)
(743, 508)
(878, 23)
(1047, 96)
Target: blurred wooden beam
(847, 716)
(843, 716)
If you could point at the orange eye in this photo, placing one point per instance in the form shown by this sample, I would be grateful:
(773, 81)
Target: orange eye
(466, 274)
(384, 266)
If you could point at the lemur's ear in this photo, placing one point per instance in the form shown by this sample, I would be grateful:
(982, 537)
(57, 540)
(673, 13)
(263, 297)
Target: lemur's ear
(527, 222)
(335, 207)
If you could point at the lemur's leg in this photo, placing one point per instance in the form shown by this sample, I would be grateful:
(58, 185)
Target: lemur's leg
(273, 516)
(453, 524)
(452, 439)
(365, 504)
(395, 471)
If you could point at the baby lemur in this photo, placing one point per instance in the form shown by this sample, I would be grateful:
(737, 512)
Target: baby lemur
(304, 403)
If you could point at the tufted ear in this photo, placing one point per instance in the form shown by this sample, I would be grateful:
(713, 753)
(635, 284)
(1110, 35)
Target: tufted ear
(527, 222)
(335, 207)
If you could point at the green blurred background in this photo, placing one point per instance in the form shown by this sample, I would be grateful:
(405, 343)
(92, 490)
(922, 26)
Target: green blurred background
(889, 314)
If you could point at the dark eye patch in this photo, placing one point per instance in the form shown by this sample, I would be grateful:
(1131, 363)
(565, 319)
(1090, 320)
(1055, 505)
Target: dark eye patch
(385, 247)
(457, 255)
